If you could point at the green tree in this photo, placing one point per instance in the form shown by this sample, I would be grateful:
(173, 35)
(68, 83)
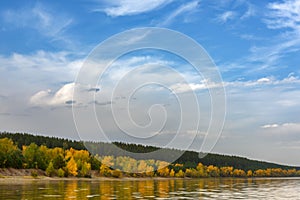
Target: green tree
(85, 170)
(50, 171)
(35, 157)
(60, 172)
(10, 155)
(57, 155)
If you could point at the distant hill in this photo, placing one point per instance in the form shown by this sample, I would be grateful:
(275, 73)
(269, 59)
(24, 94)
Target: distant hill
(188, 158)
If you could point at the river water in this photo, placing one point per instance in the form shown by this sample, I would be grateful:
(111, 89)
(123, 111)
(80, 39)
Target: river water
(271, 188)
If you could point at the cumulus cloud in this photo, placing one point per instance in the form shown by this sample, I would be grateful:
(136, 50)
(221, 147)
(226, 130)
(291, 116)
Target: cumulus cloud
(134, 76)
(46, 97)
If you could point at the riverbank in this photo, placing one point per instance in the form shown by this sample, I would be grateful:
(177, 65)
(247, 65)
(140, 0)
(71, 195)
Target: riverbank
(20, 180)
(16, 175)
(36, 174)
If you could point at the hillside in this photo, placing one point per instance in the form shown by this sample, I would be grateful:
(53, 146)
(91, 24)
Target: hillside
(188, 158)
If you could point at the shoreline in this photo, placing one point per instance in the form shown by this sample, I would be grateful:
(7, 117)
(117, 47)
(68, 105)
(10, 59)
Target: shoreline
(30, 179)
(20, 176)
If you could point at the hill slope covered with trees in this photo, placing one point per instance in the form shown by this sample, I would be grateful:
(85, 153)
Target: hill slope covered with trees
(189, 159)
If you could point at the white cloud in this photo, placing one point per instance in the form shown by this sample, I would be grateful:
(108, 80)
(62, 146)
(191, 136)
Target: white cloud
(57, 62)
(61, 97)
(116, 8)
(270, 126)
(188, 7)
(282, 129)
(224, 17)
(266, 81)
(188, 87)
(24, 75)
(261, 82)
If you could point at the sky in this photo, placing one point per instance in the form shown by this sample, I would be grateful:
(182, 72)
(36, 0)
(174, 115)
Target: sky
(254, 45)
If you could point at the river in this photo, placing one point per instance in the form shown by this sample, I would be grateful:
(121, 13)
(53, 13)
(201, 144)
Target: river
(260, 188)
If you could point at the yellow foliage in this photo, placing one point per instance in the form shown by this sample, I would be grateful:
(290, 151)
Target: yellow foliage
(108, 161)
(201, 170)
(164, 172)
(249, 173)
(239, 173)
(150, 171)
(226, 171)
(142, 166)
(179, 174)
(105, 171)
(192, 173)
(72, 167)
(172, 173)
(213, 171)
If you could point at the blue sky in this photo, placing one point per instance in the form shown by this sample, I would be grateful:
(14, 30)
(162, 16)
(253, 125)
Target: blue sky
(254, 44)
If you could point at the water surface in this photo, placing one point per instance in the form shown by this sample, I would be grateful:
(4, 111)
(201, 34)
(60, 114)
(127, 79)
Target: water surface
(271, 188)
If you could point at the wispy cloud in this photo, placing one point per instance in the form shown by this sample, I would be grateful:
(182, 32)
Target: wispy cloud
(249, 37)
(188, 7)
(251, 11)
(48, 23)
(116, 8)
(226, 16)
(284, 14)
(270, 52)
(51, 62)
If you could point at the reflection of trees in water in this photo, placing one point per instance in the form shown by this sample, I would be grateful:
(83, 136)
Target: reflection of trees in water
(106, 189)
(163, 189)
(71, 188)
(144, 188)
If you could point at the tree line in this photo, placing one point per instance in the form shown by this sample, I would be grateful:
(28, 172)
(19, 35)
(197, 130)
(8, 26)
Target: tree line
(62, 162)
(189, 159)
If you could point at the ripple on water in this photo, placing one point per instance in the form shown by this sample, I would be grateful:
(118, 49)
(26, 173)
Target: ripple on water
(277, 189)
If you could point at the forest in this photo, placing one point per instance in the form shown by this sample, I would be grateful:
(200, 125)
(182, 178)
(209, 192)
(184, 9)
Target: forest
(64, 158)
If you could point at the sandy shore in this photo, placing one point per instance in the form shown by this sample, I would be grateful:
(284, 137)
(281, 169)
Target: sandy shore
(30, 179)
(16, 176)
